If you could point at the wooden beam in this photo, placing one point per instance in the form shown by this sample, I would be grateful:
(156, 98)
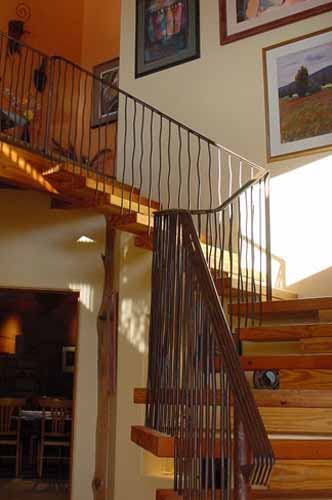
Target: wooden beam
(107, 327)
(153, 441)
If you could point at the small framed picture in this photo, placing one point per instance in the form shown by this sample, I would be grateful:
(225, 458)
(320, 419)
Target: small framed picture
(243, 18)
(68, 359)
(167, 34)
(105, 102)
(298, 95)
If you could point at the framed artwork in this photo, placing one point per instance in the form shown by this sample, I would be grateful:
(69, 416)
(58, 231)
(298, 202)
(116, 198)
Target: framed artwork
(105, 100)
(298, 95)
(243, 18)
(68, 359)
(167, 34)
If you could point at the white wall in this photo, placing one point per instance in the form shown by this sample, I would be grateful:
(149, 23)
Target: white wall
(38, 249)
(134, 287)
(222, 96)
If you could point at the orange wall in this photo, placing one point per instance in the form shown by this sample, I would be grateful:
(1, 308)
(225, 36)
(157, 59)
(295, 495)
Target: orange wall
(55, 26)
(101, 31)
(85, 31)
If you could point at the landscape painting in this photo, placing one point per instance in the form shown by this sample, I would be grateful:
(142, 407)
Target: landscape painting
(166, 34)
(242, 18)
(305, 93)
(299, 94)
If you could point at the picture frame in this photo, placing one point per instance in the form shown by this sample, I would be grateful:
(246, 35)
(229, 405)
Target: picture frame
(298, 96)
(242, 18)
(105, 100)
(68, 359)
(167, 34)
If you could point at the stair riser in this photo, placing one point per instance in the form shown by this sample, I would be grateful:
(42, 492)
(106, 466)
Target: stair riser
(284, 309)
(302, 475)
(286, 333)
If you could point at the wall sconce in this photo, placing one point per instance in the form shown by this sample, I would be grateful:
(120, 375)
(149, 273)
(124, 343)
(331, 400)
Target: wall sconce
(16, 27)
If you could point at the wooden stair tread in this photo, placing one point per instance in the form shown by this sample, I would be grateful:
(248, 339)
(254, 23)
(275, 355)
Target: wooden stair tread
(286, 332)
(291, 361)
(82, 185)
(298, 422)
(162, 446)
(283, 308)
(284, 413)
(282, 398)
(277, 293)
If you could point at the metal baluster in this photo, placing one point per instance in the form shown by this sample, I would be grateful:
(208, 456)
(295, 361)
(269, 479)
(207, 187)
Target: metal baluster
(63, 103)
(124, 151)
(160, 160)
(179, 166)
(268, 237)
(169, 163)
(189, 169)
(141, 157)
(76, 120)
(133, 157)
(18, 76)
(199, 174)
(150, 170)
(83, 121)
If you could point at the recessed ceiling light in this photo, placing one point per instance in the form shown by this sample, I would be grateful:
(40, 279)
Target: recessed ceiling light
(85, 239)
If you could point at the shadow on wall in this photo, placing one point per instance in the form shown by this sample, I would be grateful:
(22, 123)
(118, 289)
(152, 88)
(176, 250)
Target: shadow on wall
(135, 295)
(301, 204)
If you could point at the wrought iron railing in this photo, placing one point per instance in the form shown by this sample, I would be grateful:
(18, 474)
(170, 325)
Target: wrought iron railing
(51, 106)
(195, 376)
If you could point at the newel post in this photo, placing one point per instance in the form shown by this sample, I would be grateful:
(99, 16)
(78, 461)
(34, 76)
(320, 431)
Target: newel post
(107, 326)
(242, 454)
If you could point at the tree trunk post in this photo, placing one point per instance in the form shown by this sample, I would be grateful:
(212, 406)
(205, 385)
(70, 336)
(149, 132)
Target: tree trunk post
(107, 326)
(242, 453)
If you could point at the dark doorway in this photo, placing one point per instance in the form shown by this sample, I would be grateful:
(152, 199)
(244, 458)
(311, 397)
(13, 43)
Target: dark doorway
(38, 338)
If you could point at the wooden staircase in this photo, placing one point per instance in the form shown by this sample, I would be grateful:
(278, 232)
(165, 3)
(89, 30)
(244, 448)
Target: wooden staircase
(73, 187)
(298, 414)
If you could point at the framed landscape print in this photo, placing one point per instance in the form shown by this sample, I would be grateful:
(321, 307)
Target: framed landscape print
(298, 93)
(243, 18)
(105, 102)
(167, 34)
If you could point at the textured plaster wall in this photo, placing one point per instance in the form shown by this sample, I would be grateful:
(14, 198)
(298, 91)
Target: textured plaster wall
(222, 95)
